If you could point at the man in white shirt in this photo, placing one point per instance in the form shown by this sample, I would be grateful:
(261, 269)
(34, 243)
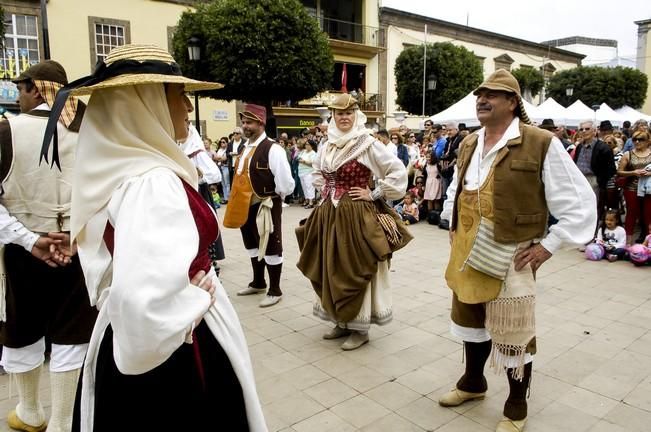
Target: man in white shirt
(42, 302)
(383, 136)
(262, 180)
(509, 177)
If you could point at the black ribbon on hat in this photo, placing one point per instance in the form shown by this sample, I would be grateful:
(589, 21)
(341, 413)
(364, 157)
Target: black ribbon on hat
(102, 73)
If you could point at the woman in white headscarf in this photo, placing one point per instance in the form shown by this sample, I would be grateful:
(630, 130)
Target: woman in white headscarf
(345, 251)
(167, 351)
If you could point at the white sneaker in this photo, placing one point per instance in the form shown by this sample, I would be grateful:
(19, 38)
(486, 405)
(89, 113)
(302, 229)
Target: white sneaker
(285, 204)
(250, 290)
(269, 300)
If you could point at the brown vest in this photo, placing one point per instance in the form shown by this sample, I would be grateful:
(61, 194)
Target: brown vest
(262, 179)
(519, 205)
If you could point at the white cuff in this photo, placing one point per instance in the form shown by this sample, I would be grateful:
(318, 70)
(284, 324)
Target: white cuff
(376, 193)
(552, 243)
(27, 240)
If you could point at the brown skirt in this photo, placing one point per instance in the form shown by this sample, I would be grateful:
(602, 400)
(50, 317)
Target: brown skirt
(340, 250)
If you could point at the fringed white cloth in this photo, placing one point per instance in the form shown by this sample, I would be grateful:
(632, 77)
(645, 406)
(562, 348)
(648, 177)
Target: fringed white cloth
(511, 318)
(264, 223)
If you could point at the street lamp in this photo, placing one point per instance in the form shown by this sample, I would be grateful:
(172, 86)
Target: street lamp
(595, 108)
(431, 82)
(569, 91)
(431, 85)
(194, 52)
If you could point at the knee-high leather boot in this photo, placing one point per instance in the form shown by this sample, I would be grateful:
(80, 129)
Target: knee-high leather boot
(472, 385)
(515, 407)
(274, 279)
(28, 415)
(258, 274)
(473, 379)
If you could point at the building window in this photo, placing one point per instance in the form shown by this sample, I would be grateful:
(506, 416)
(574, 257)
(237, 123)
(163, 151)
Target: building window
(503, 61)
(21, 48)
(106, 34)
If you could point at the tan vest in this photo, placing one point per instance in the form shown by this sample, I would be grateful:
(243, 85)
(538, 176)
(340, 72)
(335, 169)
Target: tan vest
(36, 194)
(519, 206)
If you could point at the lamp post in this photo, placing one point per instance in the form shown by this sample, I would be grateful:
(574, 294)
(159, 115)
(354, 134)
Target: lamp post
(431, 85)
(595, 108)
(569, 91)
(194, 53)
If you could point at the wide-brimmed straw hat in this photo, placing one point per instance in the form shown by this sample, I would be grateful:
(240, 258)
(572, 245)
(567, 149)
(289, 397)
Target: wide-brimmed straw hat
(140, 64)
(503, 80)
(127, 65)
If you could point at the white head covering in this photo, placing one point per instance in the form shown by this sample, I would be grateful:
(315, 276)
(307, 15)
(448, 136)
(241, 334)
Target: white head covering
(127, 131)
(343, 146)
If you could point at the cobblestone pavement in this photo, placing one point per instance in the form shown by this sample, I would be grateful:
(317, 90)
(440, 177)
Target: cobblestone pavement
(592, 372)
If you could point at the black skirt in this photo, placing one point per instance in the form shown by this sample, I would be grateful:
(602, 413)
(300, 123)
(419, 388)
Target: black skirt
(195, 389)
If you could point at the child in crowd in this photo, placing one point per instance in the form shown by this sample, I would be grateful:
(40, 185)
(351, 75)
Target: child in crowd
(409, 211)
(647, 241)
(612, 237)
(214, 191)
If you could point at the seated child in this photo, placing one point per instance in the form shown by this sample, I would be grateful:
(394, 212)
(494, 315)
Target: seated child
(612, 237)
(409, 211)
(215, 196)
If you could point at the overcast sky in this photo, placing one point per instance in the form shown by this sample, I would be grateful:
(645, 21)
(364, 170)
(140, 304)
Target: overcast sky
(539, 21)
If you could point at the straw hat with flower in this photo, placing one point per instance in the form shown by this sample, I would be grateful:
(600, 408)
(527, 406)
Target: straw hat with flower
(126, 65)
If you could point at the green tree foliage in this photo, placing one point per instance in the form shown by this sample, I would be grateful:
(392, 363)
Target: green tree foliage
(261, 50)
(456, 69)
(593, 85)
(529, 78)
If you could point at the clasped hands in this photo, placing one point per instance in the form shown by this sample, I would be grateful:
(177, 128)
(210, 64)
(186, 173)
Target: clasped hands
(54, 249)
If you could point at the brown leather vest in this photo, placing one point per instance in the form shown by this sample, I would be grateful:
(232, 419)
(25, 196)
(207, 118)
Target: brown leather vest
(262, 179)
(519, 205)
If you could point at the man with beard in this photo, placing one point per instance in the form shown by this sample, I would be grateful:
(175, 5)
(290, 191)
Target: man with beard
(262, 180)
(509, 177)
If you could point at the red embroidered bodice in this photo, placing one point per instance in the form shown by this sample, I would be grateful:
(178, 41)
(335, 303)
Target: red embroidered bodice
(207, 227)
(351, 174)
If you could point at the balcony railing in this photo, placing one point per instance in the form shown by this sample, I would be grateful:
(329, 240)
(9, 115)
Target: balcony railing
(367, 101)
(351, 32)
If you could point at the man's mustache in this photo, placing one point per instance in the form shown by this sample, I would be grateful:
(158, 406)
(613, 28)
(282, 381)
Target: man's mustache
(484, 107)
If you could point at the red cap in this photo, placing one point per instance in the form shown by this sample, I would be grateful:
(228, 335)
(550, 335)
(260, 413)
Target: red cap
(255, 112)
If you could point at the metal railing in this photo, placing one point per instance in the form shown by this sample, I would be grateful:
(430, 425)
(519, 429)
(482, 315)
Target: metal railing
(351, 32)
(367, 101)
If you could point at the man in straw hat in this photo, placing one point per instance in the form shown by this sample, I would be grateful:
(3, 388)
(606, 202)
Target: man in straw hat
(262, 180)
(167, 351)
(509, 177)
(42, 302)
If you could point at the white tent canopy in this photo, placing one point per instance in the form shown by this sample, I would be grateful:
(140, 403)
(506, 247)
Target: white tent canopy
(631, 114)
(464, 112)
(550, 109)
(578, 112)
(461, 112)
(607, 113)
